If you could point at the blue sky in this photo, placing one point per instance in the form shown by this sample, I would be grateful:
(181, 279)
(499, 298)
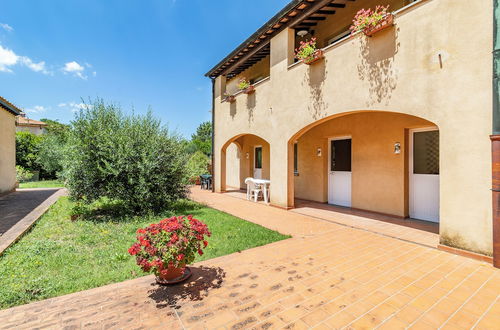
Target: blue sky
(138, 54)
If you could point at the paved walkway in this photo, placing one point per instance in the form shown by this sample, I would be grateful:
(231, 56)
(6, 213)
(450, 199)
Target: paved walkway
(416, 231)
(326, 276)
(20, 209)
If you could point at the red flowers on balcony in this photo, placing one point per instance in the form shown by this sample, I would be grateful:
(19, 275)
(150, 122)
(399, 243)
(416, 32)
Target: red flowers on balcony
(372, 21)
(308, 53)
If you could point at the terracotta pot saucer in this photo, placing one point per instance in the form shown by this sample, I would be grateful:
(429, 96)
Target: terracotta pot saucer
(187, 274)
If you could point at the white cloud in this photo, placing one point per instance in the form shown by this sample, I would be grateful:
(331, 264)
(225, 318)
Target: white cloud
(37, 67)
(37, 109)
(74, 107)
(8, 59)
(6, 27)
(76, 69)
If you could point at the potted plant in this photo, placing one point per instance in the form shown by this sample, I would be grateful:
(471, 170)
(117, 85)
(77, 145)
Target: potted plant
(167, 247)
(308, 53)
(229, 98)
(371, 21)
(245, 86)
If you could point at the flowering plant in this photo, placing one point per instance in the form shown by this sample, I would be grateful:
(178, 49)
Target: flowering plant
(306, 50)
(366, 18)
(172, 243)
(243, 84)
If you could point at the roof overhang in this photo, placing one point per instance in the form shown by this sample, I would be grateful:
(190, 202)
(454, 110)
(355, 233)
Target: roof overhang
(303, 14)
(6, 105)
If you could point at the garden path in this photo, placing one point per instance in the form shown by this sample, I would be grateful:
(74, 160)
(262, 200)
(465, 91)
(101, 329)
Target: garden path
(20, 209)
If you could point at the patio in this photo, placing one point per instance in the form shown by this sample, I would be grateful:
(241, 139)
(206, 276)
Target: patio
(328, 275)
(416, 231)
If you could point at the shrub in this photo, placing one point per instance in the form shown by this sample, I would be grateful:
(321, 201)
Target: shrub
(173, 242)
(27, 149)
(132, 159)
(51, 154)
(197, 165)
(22, 174)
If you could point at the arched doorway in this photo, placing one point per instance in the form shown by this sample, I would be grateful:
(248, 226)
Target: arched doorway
(377, 161)
(244, 156)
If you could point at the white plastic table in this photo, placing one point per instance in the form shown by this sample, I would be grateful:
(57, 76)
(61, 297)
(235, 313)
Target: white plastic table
(265, 187)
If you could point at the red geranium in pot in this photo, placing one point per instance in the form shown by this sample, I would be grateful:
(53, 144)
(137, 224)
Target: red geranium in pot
(167, 247)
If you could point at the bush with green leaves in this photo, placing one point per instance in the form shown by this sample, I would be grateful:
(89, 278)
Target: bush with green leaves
(27, 149)
(51, 154)
(129, 158)
(23, 174)
(197, 165)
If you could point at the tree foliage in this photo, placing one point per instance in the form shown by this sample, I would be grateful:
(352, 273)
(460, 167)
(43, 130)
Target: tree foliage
(27, 150)
(133, 159)
(202, 139)
(197, 164)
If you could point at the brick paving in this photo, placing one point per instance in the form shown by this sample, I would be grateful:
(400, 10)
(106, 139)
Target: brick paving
(21, 209)
(326, 276)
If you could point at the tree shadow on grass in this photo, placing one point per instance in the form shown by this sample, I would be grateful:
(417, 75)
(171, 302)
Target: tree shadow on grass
(106, 210)
(196, 288)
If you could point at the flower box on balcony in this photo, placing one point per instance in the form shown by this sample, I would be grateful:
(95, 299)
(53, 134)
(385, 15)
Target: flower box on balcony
(249, 90)
(229, 98)
(316, 56)
(386, 22)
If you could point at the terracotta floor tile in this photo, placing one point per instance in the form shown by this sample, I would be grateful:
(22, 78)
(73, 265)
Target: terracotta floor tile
(315, 317)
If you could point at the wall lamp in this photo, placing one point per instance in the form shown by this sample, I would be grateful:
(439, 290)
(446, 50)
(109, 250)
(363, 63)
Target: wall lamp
(397, 148)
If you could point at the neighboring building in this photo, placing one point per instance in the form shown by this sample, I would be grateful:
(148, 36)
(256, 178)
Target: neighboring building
(8, 113)
(24, 124)
(397, 123)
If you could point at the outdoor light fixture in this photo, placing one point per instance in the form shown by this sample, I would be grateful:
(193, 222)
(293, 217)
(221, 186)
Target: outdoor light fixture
(397, 148)
(302, 33)
(318, 152)
(247, 155)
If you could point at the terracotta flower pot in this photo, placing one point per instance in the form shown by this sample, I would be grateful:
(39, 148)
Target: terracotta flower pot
(249, 90)
(318, 55)
(386, 22)
(171, 274)
(230, 98)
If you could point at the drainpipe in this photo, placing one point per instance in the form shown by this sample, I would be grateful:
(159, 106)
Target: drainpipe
(495, 137)
(213, 134)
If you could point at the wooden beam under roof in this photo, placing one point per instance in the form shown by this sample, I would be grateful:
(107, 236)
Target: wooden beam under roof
(296, 16)
(309, 11)
(336, 5)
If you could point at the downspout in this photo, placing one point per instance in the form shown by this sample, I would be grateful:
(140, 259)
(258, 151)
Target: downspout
(495, 137)
(213, 134)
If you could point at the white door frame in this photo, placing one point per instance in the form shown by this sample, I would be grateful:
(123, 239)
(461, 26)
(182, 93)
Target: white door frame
(411, 178)
(328, 169)
(254, 160)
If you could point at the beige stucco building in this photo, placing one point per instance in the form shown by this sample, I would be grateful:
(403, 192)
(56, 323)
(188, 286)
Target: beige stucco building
(8, 113)
(397, 123)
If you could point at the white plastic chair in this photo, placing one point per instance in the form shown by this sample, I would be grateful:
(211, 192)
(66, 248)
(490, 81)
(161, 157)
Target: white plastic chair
(253, 189)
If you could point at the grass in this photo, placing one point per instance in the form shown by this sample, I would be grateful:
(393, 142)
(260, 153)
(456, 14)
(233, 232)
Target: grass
(59, 256)
(42, 184)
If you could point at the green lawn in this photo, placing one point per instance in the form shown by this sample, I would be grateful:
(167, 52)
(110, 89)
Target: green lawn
(59, 256)
(42, 184)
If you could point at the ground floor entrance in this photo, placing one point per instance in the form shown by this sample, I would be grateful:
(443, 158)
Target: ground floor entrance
(380, 162)
(339, 171)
